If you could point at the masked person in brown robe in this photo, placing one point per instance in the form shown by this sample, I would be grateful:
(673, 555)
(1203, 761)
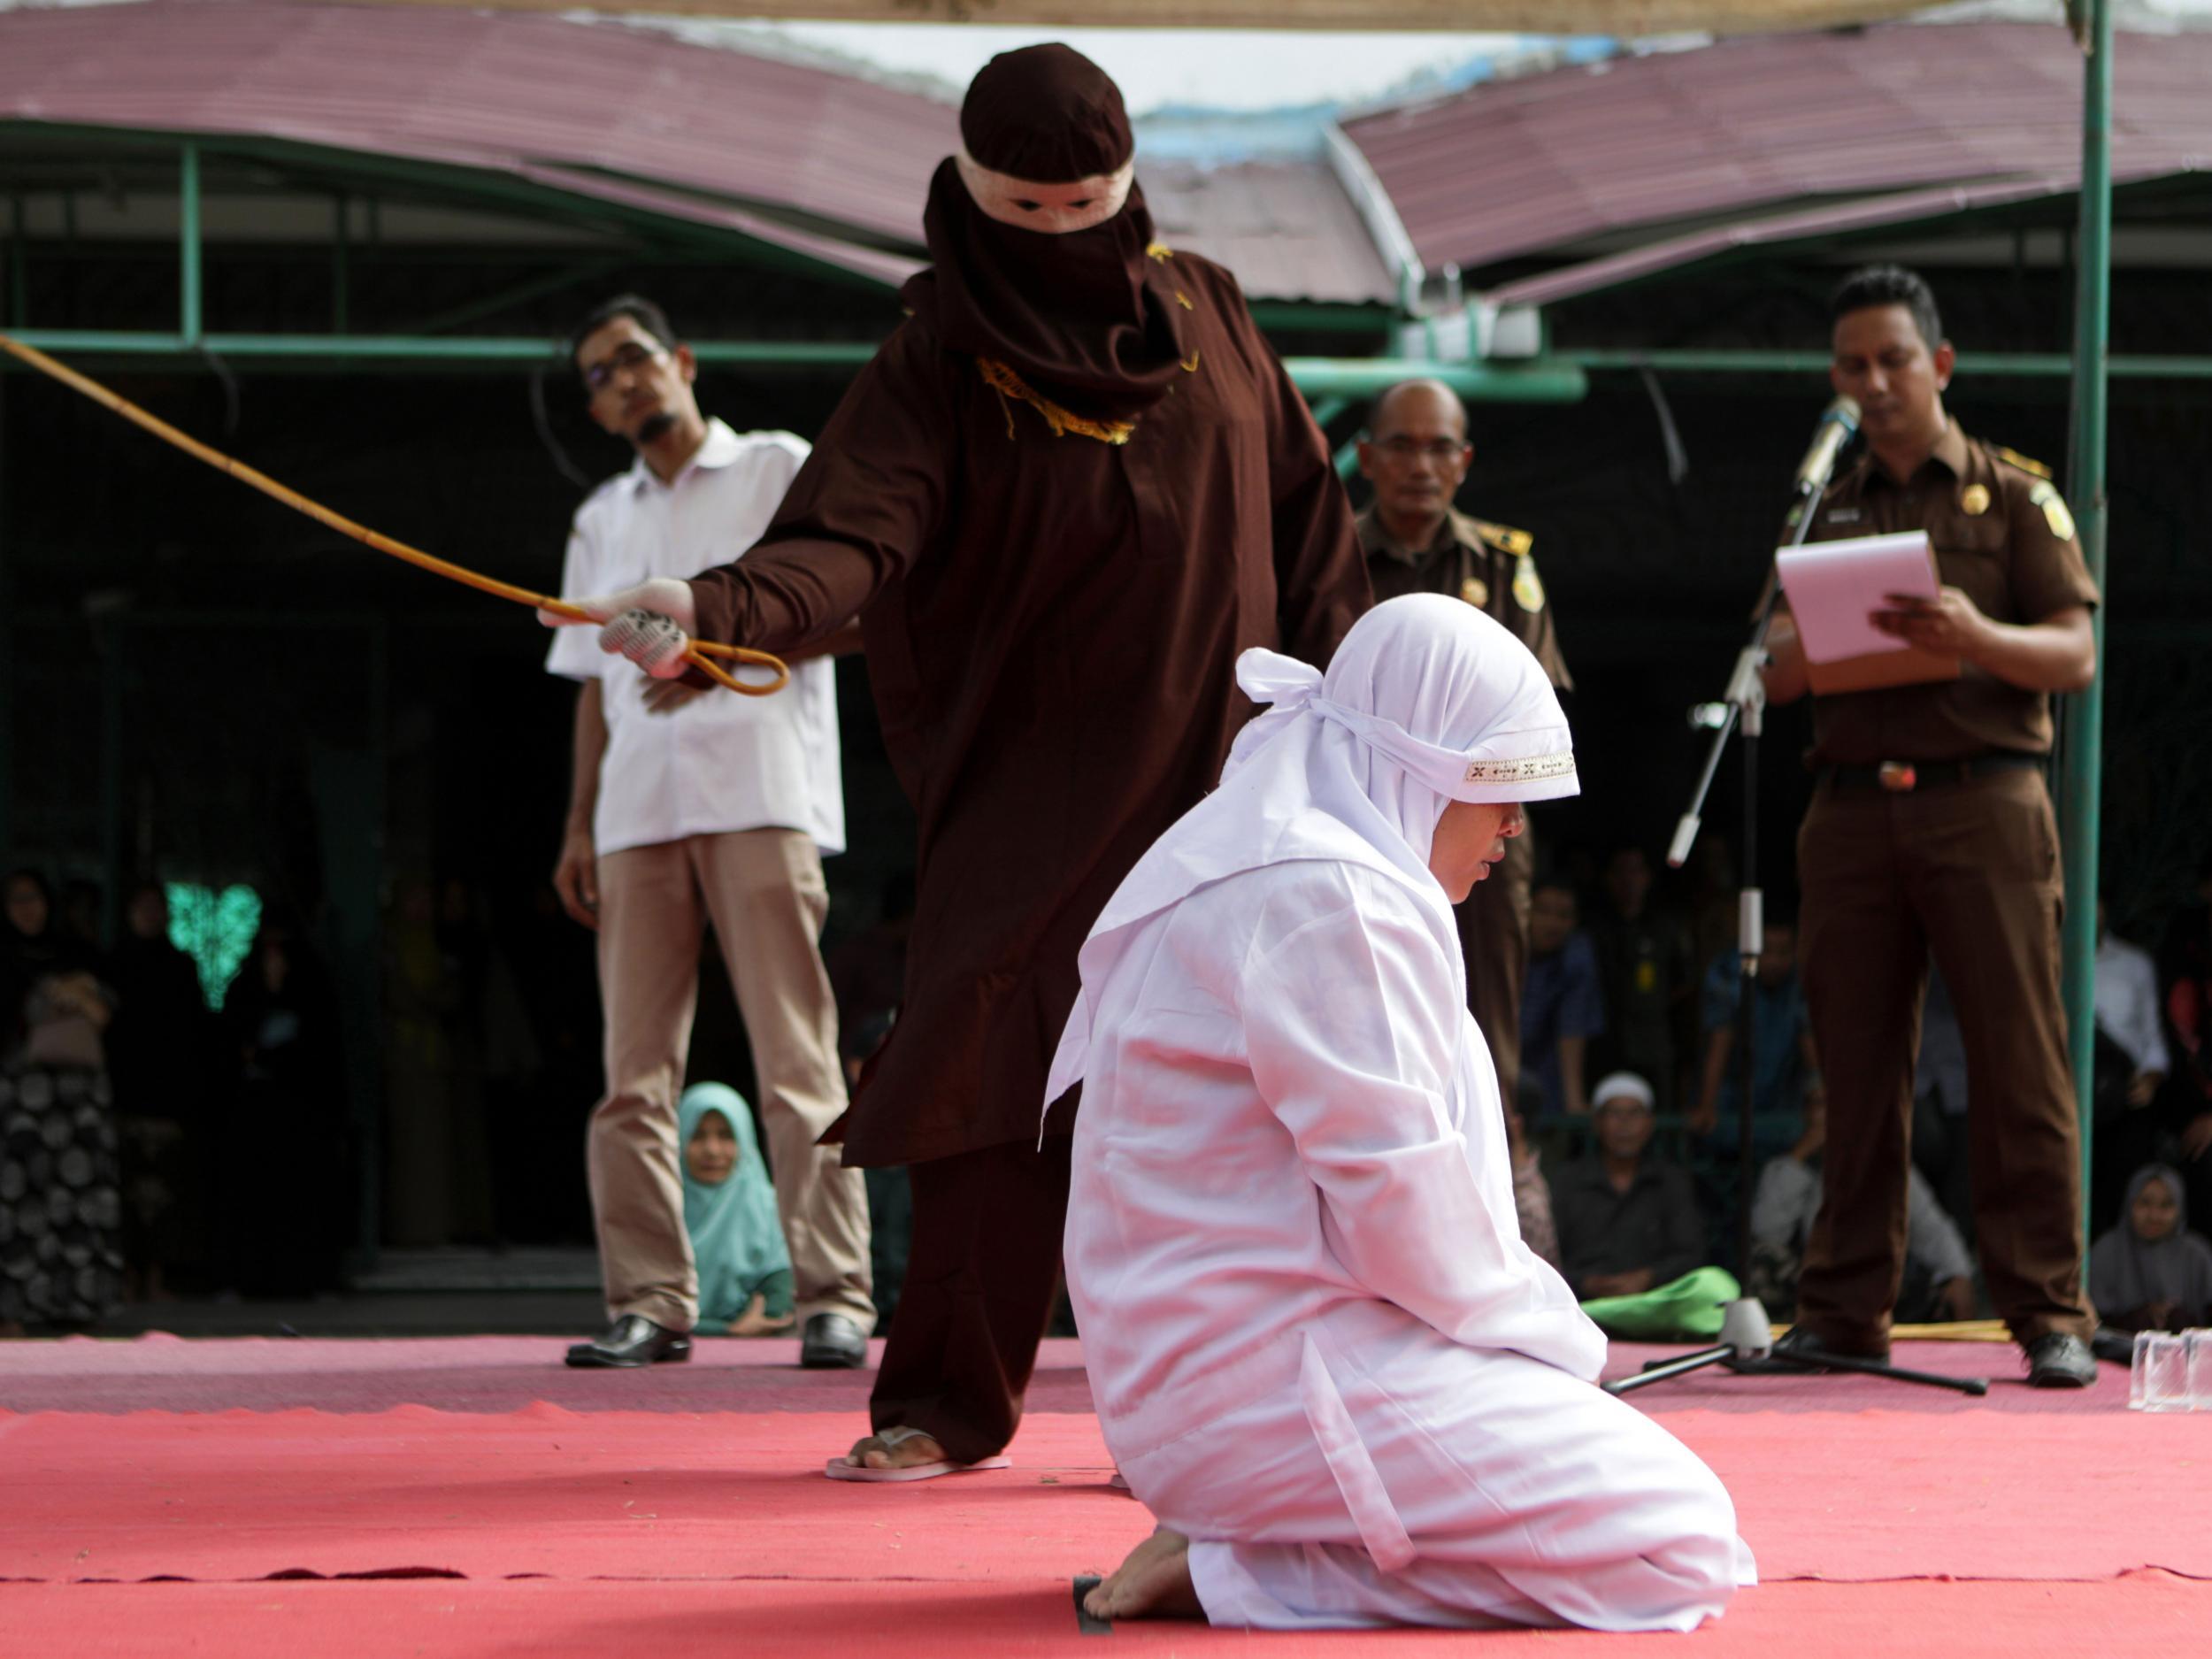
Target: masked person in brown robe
(1063, 497)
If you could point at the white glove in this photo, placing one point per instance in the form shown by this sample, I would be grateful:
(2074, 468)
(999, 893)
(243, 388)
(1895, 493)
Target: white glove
(651, 640)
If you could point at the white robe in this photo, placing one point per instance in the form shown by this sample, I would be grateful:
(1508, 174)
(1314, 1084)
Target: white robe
(1316, 1342)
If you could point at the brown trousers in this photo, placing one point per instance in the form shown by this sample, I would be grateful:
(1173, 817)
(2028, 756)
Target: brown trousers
(980, 1281)
(1493, 939)
(1969, 872)
(763, 890)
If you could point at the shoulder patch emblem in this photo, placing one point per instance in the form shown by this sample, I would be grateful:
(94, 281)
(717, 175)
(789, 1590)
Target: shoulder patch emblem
(2013, 458)
(2046, 496)
(1504, 537)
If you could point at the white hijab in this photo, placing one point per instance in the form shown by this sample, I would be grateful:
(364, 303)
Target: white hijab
(1427, 700)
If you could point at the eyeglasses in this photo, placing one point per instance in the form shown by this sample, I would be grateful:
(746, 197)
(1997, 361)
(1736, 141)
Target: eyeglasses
(630, 354)
(1444, 450)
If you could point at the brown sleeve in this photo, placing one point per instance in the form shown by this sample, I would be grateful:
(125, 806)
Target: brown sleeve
(868, 500)
(1321, 586)
(2046, 571)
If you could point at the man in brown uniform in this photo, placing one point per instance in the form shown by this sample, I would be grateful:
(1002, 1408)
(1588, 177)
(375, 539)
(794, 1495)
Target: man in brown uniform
(1930, 831)
(1066, 493)
(1415, 453)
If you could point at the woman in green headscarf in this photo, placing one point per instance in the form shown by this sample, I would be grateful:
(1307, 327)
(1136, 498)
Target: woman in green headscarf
(730, 1211)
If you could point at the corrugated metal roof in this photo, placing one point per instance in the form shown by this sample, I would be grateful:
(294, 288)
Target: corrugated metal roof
(1286, 229)
(510, 95)
(831, 164)
(1575, 161)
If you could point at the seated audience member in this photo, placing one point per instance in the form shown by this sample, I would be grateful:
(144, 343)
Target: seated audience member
(2149, 1272)
(1628, 1221)
(2185, 971)
(1646, 976)
(1562, 1006)
(2132, 1065)
(1784, 1070)
(1322, 1354)
(1938, 1271)
(730, 1212)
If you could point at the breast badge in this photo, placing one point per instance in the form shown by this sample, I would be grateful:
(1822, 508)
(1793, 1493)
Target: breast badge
(2046, 496)
(1975, 499)
(1528, 590)
(1475, 591)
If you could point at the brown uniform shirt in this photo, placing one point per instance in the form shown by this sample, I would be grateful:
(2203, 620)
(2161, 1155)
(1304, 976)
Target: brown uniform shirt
(1489, 566)
(1052, 625)
(2002, 534)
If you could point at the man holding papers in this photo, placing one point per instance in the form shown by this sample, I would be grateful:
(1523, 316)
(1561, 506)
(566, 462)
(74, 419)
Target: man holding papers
(1930, 832)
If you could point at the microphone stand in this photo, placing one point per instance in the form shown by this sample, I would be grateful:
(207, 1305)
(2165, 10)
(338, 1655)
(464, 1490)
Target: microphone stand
(1745, 1343)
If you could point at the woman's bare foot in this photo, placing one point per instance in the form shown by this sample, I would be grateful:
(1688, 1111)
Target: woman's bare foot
(1153, 1583)
(895, 1448)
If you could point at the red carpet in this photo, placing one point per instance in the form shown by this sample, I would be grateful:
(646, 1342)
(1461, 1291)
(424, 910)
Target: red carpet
(682, 1510)
(2143, 1616)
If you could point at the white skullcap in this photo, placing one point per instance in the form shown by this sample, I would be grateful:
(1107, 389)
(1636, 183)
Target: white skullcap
(1615, 1084)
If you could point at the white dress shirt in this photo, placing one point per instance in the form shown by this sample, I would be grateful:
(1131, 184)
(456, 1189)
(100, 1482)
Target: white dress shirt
(723, 761)
(2127, 1003)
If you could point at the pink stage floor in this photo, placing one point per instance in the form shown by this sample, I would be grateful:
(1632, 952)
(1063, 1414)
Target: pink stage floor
(469, 1496)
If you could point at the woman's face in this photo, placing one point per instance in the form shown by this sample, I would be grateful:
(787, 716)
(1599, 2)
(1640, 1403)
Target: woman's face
(1469, 838)
(710, 1154)
(27, 907)
(2154, 1213)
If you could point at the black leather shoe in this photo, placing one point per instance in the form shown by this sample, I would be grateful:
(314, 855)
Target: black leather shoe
(631, 1341)
(832, 1342)
(1799, 1344)
(2060, 1361)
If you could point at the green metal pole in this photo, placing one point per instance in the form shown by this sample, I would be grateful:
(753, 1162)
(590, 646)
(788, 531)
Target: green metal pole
(189, 245)
(2081, 765)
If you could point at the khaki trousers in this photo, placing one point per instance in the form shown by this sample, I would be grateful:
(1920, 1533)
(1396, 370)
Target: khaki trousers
(1968, 872)
(764, 892)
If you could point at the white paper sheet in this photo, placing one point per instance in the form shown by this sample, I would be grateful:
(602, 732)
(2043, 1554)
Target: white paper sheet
(1834, 586)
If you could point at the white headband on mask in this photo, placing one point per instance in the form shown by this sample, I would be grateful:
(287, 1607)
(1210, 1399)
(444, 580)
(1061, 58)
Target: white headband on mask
(1055, 208)
(1529, 759)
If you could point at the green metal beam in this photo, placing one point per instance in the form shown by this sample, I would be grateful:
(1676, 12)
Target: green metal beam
(413, 348)
(2051, 365)
(1479, 382)
(188, 243)
(1295, 316)
(2081, 763)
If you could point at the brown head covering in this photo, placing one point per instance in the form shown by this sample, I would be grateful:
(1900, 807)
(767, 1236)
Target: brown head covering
(1078, 316)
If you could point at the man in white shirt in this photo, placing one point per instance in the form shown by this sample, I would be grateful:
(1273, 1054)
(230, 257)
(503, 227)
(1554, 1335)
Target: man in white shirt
(1322, 1354)
(690, 806)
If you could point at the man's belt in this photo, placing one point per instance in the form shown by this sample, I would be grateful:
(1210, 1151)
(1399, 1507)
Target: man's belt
(1903, 777)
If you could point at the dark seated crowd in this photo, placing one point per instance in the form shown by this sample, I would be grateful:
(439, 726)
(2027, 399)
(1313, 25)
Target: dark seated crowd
(134, 1120)
(1630, 1184)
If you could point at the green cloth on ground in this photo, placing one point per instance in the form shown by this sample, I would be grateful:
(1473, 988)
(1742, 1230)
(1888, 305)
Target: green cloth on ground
(1688, 1308)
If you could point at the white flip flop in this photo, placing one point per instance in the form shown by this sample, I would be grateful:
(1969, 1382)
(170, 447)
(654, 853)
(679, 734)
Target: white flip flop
(845, 1469)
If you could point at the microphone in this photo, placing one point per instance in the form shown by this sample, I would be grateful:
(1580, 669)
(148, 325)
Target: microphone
(1839, 425)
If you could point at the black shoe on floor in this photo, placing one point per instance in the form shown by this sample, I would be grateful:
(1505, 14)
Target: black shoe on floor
(832, 1342)
(631, 1341)
(2060, 1361)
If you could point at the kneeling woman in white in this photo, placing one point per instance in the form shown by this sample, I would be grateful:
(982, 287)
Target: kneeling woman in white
(1321, 1354)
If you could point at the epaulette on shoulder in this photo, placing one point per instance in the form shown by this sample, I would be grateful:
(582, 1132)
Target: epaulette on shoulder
(2013, 458)
(1504, 537)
